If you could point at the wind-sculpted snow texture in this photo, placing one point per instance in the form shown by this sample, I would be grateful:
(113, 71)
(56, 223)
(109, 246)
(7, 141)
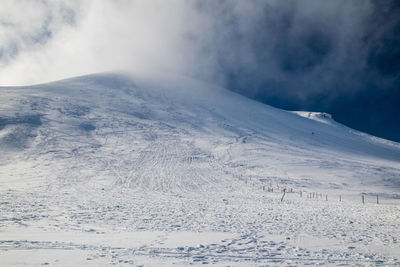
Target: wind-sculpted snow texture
(118, 169)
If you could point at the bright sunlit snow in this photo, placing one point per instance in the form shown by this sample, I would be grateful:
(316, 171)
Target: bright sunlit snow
(136, 169)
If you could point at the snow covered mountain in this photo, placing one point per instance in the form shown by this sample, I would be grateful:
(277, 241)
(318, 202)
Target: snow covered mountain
(81, 144)
(171, 133)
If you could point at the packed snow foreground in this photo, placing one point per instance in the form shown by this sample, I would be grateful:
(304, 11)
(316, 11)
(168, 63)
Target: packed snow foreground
(164, 170)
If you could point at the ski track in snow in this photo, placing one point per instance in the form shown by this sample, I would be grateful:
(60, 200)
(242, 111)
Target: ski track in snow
(101, 170)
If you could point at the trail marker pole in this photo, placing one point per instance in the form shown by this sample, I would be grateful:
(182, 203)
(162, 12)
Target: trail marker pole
(363, 199)
(377, 199)
(326, 197)
(301, 193)
(284, 192)
(340, 198)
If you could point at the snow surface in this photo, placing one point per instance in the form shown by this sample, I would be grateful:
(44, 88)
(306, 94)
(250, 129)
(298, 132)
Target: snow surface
(318, 116)
(118, 169)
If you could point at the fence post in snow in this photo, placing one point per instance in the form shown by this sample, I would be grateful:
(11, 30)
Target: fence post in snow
(326, 197)
(363, 199)
(301, 193)
(284, 192)
(340, 198)
(377, 199)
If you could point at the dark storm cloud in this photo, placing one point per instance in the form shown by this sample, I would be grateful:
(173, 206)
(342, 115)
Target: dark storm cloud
(341, 57)
(299, 46)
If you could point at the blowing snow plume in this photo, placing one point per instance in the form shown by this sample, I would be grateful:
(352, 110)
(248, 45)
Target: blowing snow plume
(56, 39)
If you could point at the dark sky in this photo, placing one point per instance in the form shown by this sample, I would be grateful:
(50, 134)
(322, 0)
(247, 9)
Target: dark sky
(335, 56)
(340, 57)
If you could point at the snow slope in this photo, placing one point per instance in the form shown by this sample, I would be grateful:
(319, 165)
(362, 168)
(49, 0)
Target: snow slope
(117, 168)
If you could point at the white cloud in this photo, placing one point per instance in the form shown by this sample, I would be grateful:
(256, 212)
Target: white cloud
(91, 36)
(44, 40)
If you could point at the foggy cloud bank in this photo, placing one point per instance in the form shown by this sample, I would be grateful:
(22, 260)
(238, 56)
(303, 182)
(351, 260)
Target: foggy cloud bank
(340, 56)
